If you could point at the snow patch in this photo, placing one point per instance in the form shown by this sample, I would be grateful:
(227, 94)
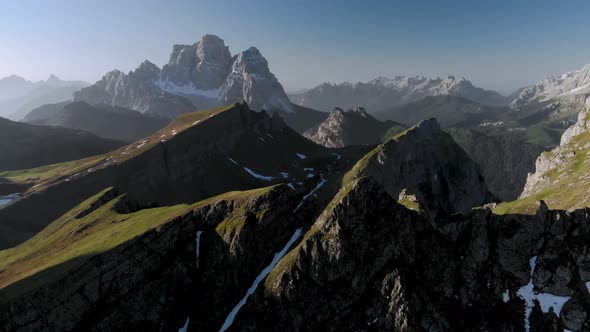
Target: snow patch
(337, 156)
(505, 296)
(232, 315)
(301, 156)
(258, 176)
(582, 89)
(310, 175)
(187, 89)
(312, 192)
(198, 243)
(290, 184)
(233, 161)
(285, 175)
(308, 169)
(262, 139)
(142, 144)
(185, 326)
(5, 200)
(546, 300)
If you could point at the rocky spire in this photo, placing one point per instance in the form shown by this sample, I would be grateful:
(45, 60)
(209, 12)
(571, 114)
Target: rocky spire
(205, 64)
(251, 80)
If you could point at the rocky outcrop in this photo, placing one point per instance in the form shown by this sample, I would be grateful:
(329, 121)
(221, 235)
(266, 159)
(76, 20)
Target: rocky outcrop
(561, 175)
(580, 127)
(370, 264)
(383, 93)
(198, 76)
(426, 162)
(353, 127)
(504, 160)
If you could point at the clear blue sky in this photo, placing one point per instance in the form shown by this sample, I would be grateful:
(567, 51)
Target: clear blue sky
(497, 44)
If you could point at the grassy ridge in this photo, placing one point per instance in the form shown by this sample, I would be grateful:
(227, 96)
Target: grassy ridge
(69, 238)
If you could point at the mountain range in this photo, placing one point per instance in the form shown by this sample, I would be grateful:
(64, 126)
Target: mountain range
(198, 197)
(19, 96)
(402, 234)
(27, 146)
(383, 93)
(102, 120)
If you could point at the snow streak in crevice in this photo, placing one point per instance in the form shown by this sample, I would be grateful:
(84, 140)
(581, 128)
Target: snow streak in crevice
(232, 315)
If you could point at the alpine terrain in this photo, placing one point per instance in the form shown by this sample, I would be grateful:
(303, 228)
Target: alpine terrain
(191, 192)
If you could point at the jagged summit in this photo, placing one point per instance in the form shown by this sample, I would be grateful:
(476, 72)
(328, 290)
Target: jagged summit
(197, 76)
(424, 161)
(570, 84)
(353, 127)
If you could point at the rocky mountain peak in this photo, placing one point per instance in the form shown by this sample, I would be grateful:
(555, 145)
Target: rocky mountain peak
(203, 65)
(573, 83)
(426, 162)
(147, 71)
(353, 127)
(198, 76)
(252, 79)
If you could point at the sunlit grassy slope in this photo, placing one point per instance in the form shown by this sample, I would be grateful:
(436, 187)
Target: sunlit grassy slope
(69, 238)
(566, 187)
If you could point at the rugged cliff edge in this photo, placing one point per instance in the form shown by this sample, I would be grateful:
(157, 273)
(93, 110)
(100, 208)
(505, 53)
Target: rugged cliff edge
(99, 271)
(562, 175)
(426, 162)
(370, 264)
